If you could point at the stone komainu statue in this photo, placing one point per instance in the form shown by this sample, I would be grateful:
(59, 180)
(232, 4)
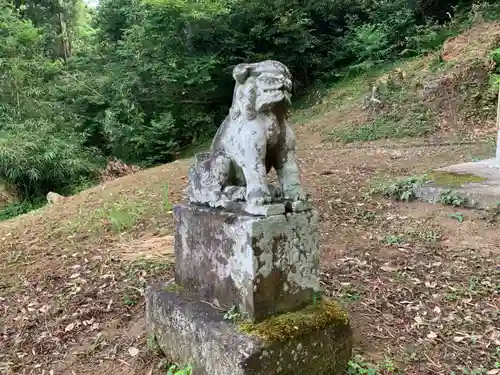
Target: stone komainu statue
(253, 138)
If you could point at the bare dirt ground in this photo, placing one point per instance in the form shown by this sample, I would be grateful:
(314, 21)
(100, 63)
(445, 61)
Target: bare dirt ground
(421, 282)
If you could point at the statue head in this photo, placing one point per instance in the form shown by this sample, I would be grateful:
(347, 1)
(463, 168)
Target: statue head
(261, 87)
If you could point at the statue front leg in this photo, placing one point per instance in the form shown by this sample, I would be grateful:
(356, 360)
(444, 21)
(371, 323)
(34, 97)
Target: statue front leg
(288, 175)
(287, 170)
(254, 170)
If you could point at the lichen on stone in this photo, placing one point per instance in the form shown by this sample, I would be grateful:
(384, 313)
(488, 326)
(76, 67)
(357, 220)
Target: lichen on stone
(287, 326)
(452, 179)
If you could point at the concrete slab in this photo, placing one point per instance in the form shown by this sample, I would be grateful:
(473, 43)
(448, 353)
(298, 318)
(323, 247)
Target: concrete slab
(478, 183)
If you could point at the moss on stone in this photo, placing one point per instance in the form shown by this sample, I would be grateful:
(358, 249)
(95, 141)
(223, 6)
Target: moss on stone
(290, 325)
(452, 179)
(173, 287)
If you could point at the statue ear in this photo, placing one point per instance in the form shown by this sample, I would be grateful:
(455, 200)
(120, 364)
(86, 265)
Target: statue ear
(241, 72)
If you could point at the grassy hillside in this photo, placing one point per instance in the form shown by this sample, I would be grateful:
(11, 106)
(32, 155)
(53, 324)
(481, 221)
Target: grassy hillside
(450, 92)
(422, 287)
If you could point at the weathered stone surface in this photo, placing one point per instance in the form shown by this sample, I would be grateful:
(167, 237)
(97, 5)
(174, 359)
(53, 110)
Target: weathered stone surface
(263, 265)
(190, 331)
(478, 183)
(54, 197)
(298, 206)
(253, 138)
(265, 210)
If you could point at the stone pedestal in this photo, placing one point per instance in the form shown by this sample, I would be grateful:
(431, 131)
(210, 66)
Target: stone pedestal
(268, 268)
(262, 265)
(316, 340)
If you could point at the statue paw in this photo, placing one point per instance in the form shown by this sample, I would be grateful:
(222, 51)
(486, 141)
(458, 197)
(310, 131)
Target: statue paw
(296, 194)
(258, 197)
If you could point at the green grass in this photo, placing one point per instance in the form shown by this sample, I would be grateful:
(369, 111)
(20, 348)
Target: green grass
(394, 239)
(427, 236)
(383, 128)
(119, 216)
(122, 216)
(399, 117)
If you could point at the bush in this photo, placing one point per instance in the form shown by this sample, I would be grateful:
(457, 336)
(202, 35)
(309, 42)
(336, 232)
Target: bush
(20, 208)
(37, 158)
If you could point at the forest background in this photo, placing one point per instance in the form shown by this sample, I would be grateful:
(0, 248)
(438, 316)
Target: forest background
(146, 81)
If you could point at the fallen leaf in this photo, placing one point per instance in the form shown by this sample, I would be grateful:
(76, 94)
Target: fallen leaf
(432, 335)
(494, 371)
(388, 268)
(69, 327)
(429, 284)
(133, 351)
(458, 338)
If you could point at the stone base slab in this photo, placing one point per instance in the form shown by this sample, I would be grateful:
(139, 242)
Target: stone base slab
(190, 331)
(478, 183)
(261, 265)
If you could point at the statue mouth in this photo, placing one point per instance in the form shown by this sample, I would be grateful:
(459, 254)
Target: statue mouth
(275, 92)
(273, 98)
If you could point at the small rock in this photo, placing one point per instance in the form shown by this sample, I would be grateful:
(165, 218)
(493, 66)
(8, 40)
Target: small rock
(54, 197)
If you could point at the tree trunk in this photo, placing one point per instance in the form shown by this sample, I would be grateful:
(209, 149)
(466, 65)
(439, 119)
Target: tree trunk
(65, 44)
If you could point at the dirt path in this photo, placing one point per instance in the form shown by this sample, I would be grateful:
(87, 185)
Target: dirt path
(422, 288)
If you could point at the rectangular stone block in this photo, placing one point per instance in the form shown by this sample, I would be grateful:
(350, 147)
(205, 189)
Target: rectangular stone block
(311, 341)
(262, 265)
(477, 183)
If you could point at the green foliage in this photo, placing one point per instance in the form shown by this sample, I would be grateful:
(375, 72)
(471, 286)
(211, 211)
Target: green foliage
(175, 370)
(489, 9)
(358, 366)
(39, 148)
(394, 239)
(449, 197)
(122, 216)
(167, 206)
(232, 314)
(168, 63)
(458, 216)
(153, 345)
(495, 76)
(19, 208)
(400, 190)
(37, 157)
(129, 300)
